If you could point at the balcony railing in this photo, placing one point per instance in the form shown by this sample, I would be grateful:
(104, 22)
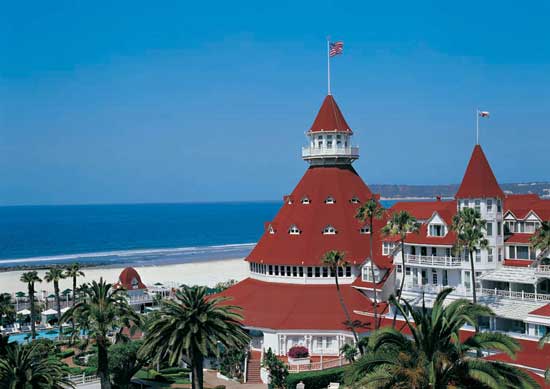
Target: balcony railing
(433, 261)
(321, 365)
(543, 270)
(515, 295)
(310, 152)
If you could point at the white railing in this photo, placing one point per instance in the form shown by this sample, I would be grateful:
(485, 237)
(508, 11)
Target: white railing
(308, 151)
(515, 295)
(543, 269)
(80, 379)
(433, 260)
(321, 365)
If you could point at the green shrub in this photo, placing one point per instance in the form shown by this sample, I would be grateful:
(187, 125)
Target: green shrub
(174, 370)
(75, 370)
(219, 387)
(65, 354)
(315, 379)
(90, 370)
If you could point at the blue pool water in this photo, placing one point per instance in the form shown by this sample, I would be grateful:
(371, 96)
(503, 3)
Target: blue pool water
(22, 338)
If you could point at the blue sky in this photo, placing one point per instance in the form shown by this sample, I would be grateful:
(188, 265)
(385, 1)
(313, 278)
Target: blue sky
(209, 101)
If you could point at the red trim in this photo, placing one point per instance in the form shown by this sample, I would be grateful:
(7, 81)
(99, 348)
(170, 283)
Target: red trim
(517, 262)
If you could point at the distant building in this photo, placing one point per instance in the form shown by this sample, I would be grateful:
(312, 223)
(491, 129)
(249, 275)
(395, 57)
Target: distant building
(138, 295)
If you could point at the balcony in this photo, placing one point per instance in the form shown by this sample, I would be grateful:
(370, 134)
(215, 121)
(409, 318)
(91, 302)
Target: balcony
(309, 152)
(515, 295)
(542, 270)
(433, 261)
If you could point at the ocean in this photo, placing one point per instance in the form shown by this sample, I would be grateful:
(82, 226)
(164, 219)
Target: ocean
(131, 234)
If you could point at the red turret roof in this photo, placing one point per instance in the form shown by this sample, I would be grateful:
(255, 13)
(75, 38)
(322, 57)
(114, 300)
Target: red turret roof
(130, 279)
(330, 118)
(343, 184)
(479, 180)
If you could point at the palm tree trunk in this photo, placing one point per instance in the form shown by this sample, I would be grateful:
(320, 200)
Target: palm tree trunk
(74, 290)
(103, 363)
(58, 303)
(375, 299)
(402, 280)
(343, 304)
(196, 370)
(474, 296)
(33, 324)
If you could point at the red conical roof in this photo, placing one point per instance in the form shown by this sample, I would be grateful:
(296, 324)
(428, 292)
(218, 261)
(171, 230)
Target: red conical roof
(129, 279)
(330, 118)
(479, 180)
(345, 187)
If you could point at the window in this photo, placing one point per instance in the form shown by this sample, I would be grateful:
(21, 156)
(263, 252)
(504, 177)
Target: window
(489, 205)
(270, 270)
(399, 270)
(489, 229)
(294, 230)
(530, 227)
(413, 250)
(301, 271)
(415, 276)
(329, 141)
(310, 272)
(512, 252)
(478, 283)
(499, 206)
(329, 200)
(499, 228)
(364, 230)
(288, 271)
(467, 280)
(478, 205)
(478, 255)
(387, 248)
(499, 255)
(340, 272)
(522, 252)
(317, 272)
(348, 271)
(305, 200)
(434, 277)
(489, 255)
(445, 278)
(294, 271)
(408, 271)
(282, 271)
(271, 229)
(437, 230)
(448, 252)
(423, 251)
(325, 272)
(276, 270)
(329, 230)
(354, 200)
(434, 251)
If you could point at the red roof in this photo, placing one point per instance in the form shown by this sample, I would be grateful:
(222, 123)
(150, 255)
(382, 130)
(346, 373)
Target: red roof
(296, 306)
(479, 180)
(342, 183)
(542, 311)
(521, 204)
(130, 279)
(519, 238)
(330, 118)
(359, 283)
(530, 355)
(517, 262)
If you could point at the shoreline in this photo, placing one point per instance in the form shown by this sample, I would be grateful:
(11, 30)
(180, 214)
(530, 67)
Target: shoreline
(207, 272)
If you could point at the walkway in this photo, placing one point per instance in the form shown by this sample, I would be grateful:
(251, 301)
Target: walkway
(210, 380)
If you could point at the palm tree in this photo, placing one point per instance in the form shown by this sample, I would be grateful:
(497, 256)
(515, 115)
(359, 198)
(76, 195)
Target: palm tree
(54, 275)
(401, 223)
(348, 351)
(368, 212)
(541, 239)
(335, 260)
(25, 366)
(191, 326)
(103, 310)
(30, 278)
(435, 355)
(6, 307)
(73, 271)
(469, 228)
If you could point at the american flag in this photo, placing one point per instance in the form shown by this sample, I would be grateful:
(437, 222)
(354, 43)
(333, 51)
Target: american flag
(484, 114)
(336, 48)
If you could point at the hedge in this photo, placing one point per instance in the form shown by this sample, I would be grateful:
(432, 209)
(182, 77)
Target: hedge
(65, 354)
(315, 379)
(174, 370)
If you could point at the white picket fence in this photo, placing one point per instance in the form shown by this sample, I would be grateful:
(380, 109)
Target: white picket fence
(80, 379)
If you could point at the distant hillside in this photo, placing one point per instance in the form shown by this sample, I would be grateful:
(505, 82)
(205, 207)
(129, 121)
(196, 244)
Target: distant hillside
(431, 191)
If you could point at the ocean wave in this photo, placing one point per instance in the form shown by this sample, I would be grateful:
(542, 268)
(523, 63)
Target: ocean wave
(184, 254)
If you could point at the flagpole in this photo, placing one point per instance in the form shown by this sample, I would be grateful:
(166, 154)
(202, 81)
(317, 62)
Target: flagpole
(328, 64)
(477, 126)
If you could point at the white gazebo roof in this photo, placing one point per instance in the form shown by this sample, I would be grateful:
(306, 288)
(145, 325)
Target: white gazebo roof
(522, 275)
(63, 310)
(49, 312)
(24, 312)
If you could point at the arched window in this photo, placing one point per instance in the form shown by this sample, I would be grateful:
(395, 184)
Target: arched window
(294, 230)
(330, 200)
(365, 229)
(355, 200)
(271, 230)
(305, 200)
(329, 230)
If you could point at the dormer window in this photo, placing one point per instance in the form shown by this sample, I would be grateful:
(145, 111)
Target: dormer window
(330, 200)
(436, 230)
(365, 229)
(329, 230)
(355, 200)
(305, 200)
(271, 230)
(294, 230)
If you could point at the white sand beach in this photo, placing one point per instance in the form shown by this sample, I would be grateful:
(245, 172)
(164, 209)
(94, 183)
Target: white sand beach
(195, 273)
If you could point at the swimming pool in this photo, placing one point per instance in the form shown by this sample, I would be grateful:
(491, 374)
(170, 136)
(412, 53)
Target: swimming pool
(44, 334)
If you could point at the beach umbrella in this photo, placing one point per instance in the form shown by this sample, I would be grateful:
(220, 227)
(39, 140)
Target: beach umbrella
(20, 294)
(51, 296)
(159, 284)
(24, 312)
(49, 312)
(63, 310)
